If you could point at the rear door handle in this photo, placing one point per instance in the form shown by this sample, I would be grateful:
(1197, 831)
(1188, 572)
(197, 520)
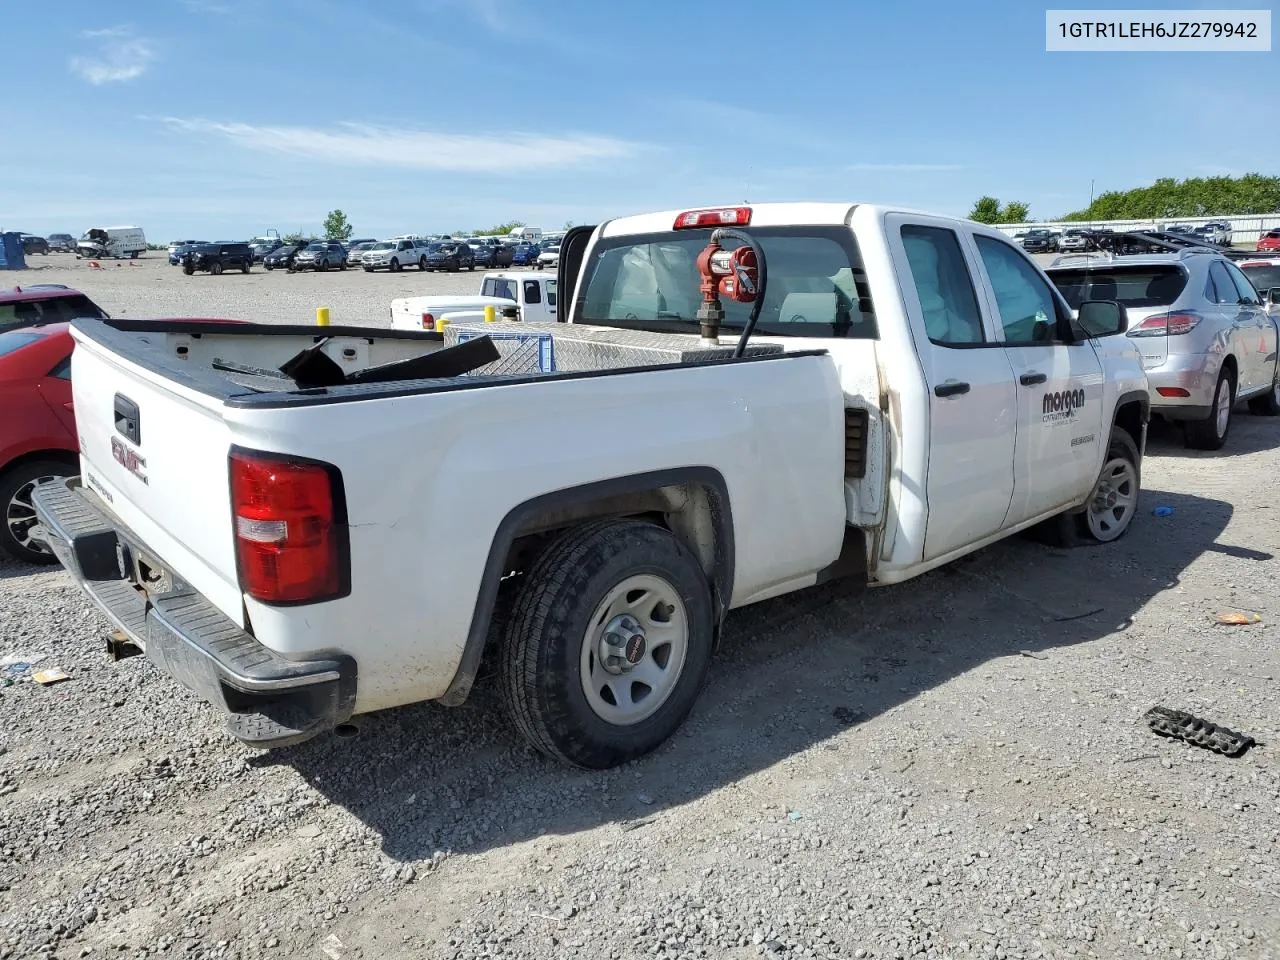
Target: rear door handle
(1031, 379)
(952, 389)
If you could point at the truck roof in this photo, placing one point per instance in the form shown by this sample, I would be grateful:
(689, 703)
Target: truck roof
(762, 215)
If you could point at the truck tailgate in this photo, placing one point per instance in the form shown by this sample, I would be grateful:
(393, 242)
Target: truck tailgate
(155, 452)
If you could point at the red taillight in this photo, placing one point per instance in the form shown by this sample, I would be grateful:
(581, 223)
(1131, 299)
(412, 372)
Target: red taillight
(1167, 324)
(719, 217)
(290, 528)
(428, 322)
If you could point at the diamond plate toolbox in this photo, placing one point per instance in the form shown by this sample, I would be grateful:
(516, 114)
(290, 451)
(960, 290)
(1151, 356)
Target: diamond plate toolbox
(563, 348)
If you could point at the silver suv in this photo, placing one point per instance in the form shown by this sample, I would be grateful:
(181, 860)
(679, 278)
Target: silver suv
(1206, 340)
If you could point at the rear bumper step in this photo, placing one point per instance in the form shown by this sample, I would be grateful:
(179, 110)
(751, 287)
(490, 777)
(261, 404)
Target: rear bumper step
(270, 701)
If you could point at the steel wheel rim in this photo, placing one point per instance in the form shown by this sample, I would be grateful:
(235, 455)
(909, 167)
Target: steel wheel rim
(641, 687)
(20, 516)
(1223, 409)
(1114, 500)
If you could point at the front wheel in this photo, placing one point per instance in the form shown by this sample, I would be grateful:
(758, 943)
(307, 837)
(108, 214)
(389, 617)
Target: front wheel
(395, 265)
(1111, 506)
(422, 264)
(1114, 501)
(188, 269)
(215, 269)
(245, 267)
(1211, 432)
(322, 266)
(609, 643)
(16, 488)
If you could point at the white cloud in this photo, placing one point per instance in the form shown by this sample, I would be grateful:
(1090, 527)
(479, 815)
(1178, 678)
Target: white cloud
(121, 55)
(356, 144)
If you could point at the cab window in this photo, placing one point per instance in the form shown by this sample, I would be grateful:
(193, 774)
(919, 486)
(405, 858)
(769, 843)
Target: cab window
(1028, 310)
(532, 293)
(817, 286)
(943, 284)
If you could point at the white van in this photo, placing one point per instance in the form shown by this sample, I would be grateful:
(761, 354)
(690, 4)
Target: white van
(99, 242)
(531, 234)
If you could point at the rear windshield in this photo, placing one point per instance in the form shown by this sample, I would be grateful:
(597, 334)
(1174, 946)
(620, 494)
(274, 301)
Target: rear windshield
(13, 340)
(1263, 276)
(1135, 286)
(54, 310)
(816, 285)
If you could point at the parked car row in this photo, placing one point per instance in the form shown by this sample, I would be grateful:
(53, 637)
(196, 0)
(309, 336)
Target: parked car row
(393, 255)
(1084, 239)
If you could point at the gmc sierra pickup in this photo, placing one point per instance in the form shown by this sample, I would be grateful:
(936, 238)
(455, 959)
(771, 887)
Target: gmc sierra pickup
(304, 525)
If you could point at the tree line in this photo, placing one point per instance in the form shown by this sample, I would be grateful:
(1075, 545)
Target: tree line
(1251, 194)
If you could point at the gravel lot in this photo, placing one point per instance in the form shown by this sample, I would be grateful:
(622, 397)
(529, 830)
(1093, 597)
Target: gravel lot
(149, 287)
(953, 767)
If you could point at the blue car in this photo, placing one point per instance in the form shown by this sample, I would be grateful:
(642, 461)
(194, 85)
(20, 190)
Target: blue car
(526, 254)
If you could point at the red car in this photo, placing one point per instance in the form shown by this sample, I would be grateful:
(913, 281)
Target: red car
(42, 303)
(38, 430)
(1269, 240)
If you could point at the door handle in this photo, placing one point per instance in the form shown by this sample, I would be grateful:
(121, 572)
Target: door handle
(1031, 379)
(953, 388)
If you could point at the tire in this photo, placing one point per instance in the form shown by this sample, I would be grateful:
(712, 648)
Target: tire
(368, 269)
(19, 516)
(188, 269)
(342, 266)
(1268, 405)
(471, 266)
(1112, 505)
(422, 265)
(269, 267)
(574, 588)
(1211, 432)
(322, 266)
(134, 255)
(215, 269)
(245, 267)
(394, 266)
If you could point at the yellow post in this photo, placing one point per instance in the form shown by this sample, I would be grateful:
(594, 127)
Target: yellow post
(490, 313)
(322, 316)
(441, 324)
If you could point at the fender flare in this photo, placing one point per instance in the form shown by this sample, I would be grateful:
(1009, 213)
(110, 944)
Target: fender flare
(708, 478)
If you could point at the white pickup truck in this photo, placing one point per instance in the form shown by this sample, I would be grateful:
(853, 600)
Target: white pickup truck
(533, 295)
(306, 526)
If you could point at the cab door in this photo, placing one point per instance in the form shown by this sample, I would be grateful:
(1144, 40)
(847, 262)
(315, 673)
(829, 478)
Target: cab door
(972, 399)
(1060, 434)
(1259, 329)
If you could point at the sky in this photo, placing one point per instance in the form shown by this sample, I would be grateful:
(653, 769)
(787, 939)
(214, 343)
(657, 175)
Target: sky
(220, 119)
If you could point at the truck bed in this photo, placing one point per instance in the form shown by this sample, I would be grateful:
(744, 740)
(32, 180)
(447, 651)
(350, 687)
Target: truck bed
(240, 364)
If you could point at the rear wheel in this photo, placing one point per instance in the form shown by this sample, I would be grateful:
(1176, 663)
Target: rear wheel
(245, 267)
(16, 488)
(215, 269)
(608, 644)
(1211, 432)
(322, 266)
(1267, 405)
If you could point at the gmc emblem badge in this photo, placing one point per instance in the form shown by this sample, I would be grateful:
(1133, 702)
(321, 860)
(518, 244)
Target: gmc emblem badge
(128, 458)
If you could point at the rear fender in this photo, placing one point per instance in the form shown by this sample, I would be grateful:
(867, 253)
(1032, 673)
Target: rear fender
(694, 500)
